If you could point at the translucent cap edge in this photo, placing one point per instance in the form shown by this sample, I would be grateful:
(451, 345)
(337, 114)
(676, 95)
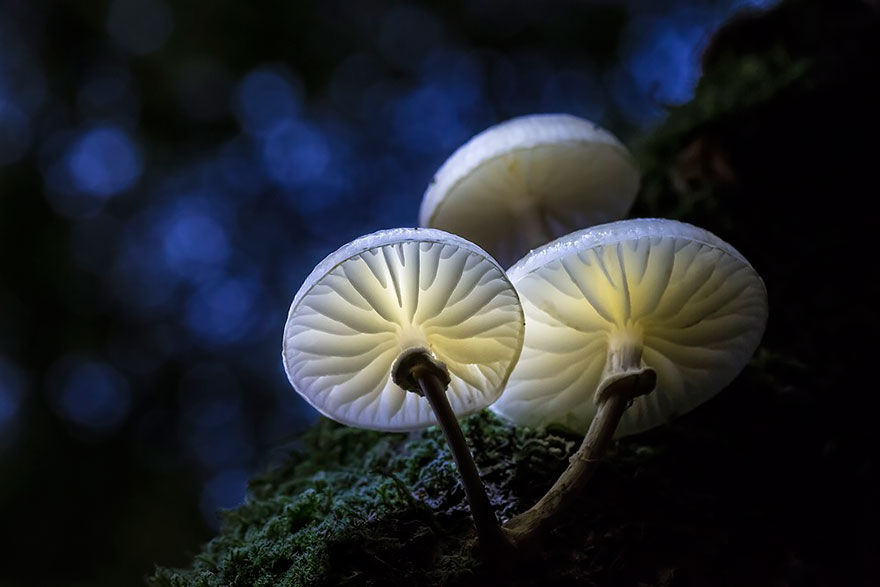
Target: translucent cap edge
(371, 241)
(497, 140)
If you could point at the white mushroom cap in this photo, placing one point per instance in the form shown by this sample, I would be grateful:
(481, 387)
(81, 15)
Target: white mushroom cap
(524, 182)
(693, 303)
(392, 291)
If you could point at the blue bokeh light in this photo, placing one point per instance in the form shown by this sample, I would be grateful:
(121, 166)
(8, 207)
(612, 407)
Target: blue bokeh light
(225, 311)
(90, 394)
(661, 62)
(195, 242)
(427, 121)
(443, 111)
(267, 97)
(661, 57)
(295, 153)
(104, 161)
(330, 193)
(665, 61)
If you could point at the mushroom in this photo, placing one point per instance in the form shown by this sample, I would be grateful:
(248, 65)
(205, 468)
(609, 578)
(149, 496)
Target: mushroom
(526, 181)
(629, 324)
(402, 329)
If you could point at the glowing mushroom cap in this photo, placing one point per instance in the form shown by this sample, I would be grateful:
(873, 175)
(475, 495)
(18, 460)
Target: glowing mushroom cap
(524, 182)
(390, 292)
(694, 304)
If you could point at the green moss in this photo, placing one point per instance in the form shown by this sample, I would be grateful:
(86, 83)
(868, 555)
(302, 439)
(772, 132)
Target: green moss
(354, 504)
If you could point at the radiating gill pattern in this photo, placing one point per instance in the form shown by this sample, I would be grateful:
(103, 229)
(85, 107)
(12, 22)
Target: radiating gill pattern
(698, 310)
(344, 334)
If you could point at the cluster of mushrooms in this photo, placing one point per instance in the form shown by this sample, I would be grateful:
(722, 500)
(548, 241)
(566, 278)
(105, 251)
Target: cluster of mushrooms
(607, 330)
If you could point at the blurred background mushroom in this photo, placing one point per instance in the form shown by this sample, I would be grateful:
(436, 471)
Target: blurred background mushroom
(170, 175)
(526, 181)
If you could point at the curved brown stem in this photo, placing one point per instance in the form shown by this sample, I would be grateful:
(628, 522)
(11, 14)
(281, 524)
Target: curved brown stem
(541, 517)
(488, 530)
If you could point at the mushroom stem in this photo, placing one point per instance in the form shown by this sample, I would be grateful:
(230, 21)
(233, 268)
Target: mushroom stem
(488, 530)
(625, 378)
(541, 517)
